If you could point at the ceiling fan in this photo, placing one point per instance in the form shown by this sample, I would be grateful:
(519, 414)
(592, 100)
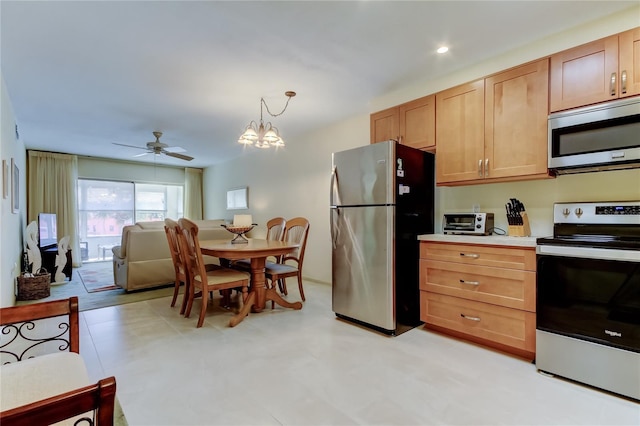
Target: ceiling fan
(158, 147)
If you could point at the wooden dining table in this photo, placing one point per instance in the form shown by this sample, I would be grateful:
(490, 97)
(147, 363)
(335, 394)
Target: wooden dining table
(257, 250)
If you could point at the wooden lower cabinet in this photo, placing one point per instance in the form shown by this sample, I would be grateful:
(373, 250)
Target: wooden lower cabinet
(493, 306)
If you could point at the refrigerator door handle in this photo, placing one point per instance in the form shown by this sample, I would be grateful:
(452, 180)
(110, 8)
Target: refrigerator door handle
(333, 188)
(332, 225)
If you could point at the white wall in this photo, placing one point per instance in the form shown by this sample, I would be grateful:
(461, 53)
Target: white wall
(295, 181)
(12, 224)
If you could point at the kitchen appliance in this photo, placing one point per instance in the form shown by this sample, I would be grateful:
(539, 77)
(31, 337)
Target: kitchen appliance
(382, 198)
(597, 137)
(588, 296)
(468, 223)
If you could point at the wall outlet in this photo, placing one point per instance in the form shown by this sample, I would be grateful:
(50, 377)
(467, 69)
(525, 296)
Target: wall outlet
(476, 208)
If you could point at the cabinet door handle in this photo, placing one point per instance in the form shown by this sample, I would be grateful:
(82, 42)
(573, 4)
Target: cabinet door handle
(470, 318)
(470, 282)
(612, 84)
(623, 82)
(471, 255)
(480, 167)
(486, 167)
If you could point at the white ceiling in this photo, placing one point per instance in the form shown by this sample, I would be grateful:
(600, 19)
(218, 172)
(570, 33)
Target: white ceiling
(83, 75)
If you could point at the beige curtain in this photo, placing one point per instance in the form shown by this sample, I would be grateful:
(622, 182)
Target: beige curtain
(193, 194)
(51, 188)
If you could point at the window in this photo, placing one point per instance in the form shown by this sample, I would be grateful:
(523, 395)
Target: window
(105, 207)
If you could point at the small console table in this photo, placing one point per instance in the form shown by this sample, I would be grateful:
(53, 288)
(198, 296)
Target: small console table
(49, 261)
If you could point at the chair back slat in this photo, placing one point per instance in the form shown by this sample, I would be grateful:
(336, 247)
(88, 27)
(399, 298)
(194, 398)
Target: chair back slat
(296, 231)
(171, 228)
(275, 228)
(191, 248)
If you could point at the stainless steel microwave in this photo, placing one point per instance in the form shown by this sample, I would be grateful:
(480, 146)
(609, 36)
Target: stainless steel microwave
(598, 137)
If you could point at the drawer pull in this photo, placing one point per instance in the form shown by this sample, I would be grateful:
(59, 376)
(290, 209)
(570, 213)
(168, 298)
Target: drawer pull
(470, 282)
(473, 256)
(470, 318)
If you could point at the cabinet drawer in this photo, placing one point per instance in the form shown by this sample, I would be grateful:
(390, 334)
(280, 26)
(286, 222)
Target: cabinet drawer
(497, 257)
(506, 326)
(512, 288)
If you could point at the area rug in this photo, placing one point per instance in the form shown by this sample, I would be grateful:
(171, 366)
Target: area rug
(100, 299)
(97, 276)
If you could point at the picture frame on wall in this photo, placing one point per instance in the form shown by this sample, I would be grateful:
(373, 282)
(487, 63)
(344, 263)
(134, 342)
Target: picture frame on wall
(5, 179)
(238, 198)
(15, 187)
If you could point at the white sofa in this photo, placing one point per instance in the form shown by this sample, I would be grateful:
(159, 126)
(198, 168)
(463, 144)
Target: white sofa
(143, 260)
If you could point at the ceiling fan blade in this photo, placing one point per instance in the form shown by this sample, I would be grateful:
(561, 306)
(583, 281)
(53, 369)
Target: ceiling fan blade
(142, 155)
(180, 156)
(130, 146)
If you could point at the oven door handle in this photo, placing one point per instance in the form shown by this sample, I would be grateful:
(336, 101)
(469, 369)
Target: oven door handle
(589, 253)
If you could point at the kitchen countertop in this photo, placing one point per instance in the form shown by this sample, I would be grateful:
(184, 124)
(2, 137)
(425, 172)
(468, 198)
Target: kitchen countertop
(496, 240)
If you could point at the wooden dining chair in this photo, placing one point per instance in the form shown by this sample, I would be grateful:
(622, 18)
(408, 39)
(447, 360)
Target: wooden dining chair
(295, 231)
(199, 278)
(171, 228)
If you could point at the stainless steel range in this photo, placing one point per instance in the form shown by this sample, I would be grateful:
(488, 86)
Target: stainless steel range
(588, 301)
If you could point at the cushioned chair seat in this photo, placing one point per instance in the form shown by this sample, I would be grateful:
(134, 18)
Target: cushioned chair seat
(279, 269)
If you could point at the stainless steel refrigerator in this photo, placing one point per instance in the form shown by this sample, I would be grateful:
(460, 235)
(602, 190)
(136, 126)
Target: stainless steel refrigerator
(382, 198)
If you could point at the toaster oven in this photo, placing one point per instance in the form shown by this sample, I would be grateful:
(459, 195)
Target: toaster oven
(468, 223)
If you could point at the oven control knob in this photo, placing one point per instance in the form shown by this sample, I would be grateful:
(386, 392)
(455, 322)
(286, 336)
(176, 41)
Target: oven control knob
(578, 212)
(566, 212)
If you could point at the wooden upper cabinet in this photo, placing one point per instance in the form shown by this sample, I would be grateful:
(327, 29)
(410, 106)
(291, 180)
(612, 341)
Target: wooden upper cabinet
(418, 123)
(411, 123)
(460, 133)
(516, 112)
(599, 71)
(494, 129)
(385, 125)
(629, 62)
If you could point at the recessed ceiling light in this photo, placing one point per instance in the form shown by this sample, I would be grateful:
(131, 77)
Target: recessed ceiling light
(442, 49)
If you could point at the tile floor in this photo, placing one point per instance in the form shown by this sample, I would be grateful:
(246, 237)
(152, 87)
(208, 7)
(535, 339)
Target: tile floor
(285, 367)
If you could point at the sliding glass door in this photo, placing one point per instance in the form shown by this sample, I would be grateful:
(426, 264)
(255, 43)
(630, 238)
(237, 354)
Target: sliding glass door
(105, 207)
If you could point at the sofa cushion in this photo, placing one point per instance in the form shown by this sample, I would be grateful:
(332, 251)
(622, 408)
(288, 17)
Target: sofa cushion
(151, 225)
(125, 239)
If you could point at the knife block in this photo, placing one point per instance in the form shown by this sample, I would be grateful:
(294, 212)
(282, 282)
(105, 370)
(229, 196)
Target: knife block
(523, 230)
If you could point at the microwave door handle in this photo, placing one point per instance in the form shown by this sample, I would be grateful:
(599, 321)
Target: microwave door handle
(612, 84)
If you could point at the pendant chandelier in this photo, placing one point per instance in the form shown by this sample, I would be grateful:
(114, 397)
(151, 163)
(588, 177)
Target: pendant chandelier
(264, 135)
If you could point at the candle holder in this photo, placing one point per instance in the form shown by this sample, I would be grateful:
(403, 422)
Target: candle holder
(239, 231)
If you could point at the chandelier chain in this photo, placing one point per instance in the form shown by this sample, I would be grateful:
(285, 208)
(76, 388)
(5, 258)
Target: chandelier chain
(270, 113)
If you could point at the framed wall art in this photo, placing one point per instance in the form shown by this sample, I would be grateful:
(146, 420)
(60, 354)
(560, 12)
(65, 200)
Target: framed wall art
(15, 187)
(237, 198)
